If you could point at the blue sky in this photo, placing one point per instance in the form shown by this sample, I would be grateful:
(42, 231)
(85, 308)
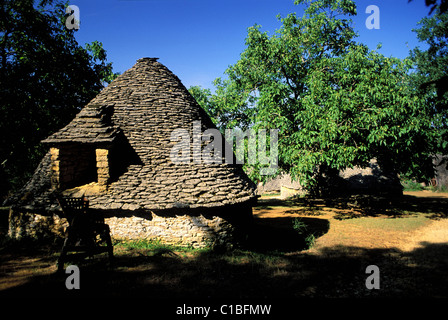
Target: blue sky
(199, 39)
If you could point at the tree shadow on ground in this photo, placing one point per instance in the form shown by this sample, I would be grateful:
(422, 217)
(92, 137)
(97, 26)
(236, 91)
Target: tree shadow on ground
(338, 271)
(353, 206)
(278, 234)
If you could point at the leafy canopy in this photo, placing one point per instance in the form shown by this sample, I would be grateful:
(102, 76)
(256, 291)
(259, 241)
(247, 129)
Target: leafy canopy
(337, 104)
(431, 76)
(45, 78)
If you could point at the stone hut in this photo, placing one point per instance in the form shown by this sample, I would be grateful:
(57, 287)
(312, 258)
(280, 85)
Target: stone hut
(117, 152)
(371, 179)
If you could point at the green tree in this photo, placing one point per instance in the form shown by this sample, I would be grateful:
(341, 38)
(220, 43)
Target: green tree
(336, 103)
(45, 78)
(228, 107)
(442, 5)
(431, 75)
(205, 98)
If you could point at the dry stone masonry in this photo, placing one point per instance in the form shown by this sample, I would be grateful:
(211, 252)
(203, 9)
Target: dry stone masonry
(116, 152)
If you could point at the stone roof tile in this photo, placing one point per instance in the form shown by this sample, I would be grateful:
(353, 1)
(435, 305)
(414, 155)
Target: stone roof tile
(145, 104)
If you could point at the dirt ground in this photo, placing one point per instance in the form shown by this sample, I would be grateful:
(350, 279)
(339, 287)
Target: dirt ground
(406, 238)
(379, 231)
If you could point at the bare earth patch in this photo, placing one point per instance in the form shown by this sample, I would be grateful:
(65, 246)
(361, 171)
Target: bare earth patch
(404, 233)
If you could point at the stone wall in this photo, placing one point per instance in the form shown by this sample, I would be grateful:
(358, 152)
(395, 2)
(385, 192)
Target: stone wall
(197, 230)
(286, 192)
(184, 230)
(370, 180)
(35, 226)
(276, 184)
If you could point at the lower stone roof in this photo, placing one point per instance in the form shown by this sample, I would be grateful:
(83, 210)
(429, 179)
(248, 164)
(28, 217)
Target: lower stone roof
(146, 187)
(91, 125)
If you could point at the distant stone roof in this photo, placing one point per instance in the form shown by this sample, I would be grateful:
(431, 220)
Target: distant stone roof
(144, 105)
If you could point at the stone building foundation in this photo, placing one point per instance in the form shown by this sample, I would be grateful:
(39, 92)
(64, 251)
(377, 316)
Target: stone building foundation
(188, 230)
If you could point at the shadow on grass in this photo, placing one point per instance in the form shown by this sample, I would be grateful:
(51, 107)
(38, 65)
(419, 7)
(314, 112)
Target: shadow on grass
(364, 205)
(333, 272)
(393, 207)
(278, 235)
(271, 265)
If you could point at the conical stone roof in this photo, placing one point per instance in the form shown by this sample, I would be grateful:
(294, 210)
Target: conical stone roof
(143, 106)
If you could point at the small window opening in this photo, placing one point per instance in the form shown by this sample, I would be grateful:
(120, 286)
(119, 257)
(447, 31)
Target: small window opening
(77, 166)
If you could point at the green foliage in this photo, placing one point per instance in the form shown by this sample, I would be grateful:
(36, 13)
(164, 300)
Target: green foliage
(98, 59)
(157, 247)
(441, 5)
(228, 108)
(431, 77)
(299, 226)
(337, 104)
(411, 185)
(45, 78)
(310, 241)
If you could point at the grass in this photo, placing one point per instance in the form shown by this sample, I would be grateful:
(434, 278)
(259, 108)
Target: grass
(301, 228)
(410, 185)
(150, 245)
(401, 225)
(278, 264)
(156, 248)
(338, 271)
